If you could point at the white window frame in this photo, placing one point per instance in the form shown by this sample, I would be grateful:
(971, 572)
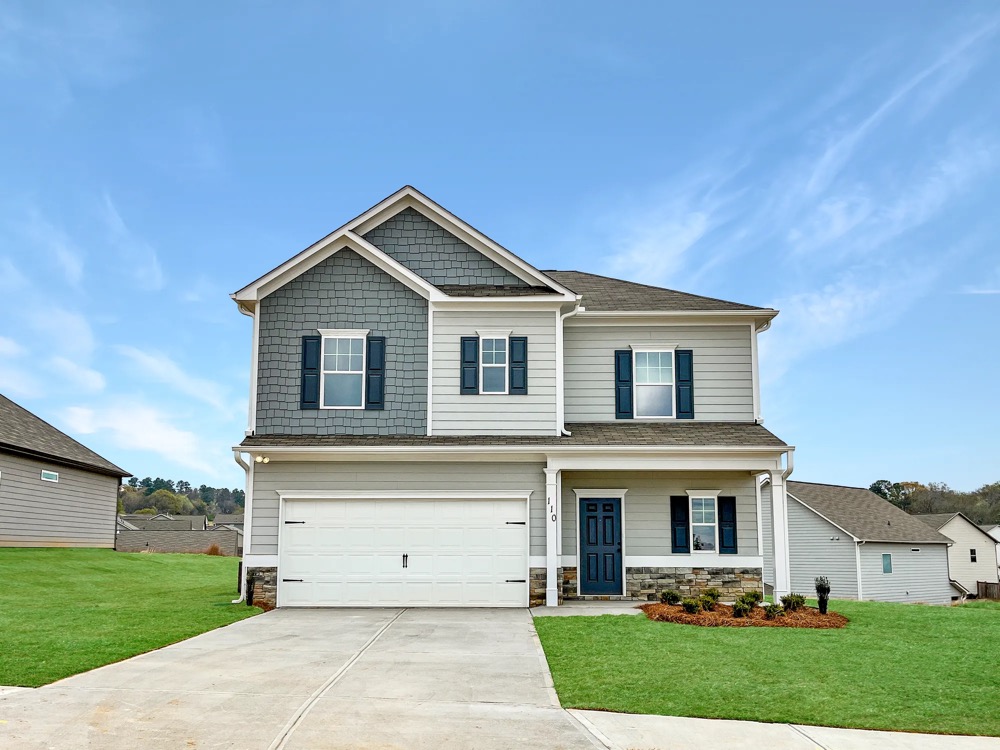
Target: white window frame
(973, 555)
(49, 476)
(693, 495)
(884, 571)
(671, 348)
(497, 335)
(345, 333)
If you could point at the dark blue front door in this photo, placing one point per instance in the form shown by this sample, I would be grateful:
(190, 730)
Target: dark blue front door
(601, 546)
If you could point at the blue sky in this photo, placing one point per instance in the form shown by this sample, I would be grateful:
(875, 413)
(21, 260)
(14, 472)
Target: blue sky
(838, 161)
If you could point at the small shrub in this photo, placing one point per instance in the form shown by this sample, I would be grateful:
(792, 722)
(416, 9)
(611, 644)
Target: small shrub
(753, 597)
(707, 603)
(713, 593)
(772, 611)
(213, 550)
(823, 593)
(793, 602)
(670, 597)
(691, 606)
(742, 608)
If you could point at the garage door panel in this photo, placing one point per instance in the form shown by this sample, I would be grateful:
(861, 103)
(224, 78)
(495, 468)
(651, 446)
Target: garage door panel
(350, 553)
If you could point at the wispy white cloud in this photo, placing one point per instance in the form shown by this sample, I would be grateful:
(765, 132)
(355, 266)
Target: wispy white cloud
(54, 242)
(63, 332)
(77, 375)
(160, 368)
(144, 263)
(137, 426)
(11, 277)
(10, 348)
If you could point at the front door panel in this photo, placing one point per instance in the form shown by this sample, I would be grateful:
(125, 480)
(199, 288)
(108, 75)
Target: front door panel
(600, 567)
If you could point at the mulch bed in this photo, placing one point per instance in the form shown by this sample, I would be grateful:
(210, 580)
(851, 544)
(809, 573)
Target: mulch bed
(807, 617)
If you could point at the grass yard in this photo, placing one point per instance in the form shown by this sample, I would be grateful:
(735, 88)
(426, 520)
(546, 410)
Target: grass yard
(895, 666)
(65, 611)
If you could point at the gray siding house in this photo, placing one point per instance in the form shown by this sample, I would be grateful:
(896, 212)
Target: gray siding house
(54, 492)
(433, 421)
(866, 546)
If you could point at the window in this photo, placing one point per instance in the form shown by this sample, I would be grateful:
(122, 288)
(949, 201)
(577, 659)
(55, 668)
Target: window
(887, 563)
(914, 549)
(50, 476)
(654, 383)
(972, 555)
(343, 371)
(704, 528)
(493, 364)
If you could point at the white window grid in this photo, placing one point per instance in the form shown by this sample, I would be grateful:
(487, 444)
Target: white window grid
(658, 371)
(347, 358)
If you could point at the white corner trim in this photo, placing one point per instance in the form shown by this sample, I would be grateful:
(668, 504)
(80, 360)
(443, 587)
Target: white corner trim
(599, 493)
(260, 561)
(430, 368)
(404, 494)
(344, 332)
(755, 374)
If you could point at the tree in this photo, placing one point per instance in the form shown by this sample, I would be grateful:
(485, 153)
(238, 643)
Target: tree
(133, 482)
(897, 493)
(183, 487)
(207, 493)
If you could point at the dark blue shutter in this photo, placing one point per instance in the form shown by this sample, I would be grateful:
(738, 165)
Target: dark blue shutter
(312, 347)
(469, 382)
(375, 374)
(623, 384)
(680, 534)
(518, 367)
(727, 525)
(685, 383)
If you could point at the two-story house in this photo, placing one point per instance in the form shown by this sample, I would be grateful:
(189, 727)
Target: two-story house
(435, 422)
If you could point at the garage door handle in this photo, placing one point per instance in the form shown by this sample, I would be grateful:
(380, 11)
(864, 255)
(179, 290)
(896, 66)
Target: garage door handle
(516, 523)
(291, 580)
(294, 521)
(516, 580)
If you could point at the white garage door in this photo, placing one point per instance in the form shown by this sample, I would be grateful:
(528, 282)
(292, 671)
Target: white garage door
(387, 553)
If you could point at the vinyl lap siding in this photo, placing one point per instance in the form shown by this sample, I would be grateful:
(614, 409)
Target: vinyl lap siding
(533, 414)
(77, 511)
(916, 576)
(968, 537)
(723, 376)
(318, 476)
(818, 548)
(647, 506)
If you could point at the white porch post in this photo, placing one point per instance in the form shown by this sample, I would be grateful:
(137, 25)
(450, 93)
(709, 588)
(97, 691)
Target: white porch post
(551, 536)
(779, 523)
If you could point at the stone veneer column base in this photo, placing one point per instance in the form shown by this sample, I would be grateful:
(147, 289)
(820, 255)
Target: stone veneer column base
(262, 588)
(536, 587)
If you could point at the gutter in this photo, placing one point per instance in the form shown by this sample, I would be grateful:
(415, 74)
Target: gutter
(247, 522)
(560, 355)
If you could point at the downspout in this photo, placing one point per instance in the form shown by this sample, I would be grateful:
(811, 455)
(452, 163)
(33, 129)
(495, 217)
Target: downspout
(857, 560)
(247, 522)
(561, 364)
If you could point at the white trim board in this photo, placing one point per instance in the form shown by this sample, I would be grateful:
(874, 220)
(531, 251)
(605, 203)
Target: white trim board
(705, 560)
(404, 494)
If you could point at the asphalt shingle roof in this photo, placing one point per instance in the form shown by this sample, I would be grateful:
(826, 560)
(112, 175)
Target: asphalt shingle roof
(492, 290)
(936, 520)
(602, 293)
(23, 432)
(657, 434)
(864, 514)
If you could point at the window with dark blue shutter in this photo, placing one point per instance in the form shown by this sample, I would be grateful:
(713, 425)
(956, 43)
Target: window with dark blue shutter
(680, 534)
(727, 526)
(623, 384)
(309, 388)
(518, 372)
(375, 374)
(469, 379)
(684, 359)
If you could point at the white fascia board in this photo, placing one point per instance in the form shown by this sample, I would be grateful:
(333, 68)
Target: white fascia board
(410, 197)
(680, 317)
(533, 303)
(552, 449)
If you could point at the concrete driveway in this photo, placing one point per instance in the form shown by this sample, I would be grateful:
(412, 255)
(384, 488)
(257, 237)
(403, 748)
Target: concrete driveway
(298, 679)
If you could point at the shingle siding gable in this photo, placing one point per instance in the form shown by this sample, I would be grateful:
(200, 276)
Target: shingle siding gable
(427, 249)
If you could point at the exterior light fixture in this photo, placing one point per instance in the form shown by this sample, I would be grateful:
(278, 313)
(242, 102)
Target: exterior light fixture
(262, 459)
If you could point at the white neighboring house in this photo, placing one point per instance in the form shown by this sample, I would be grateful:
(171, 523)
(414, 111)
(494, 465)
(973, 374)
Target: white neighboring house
(866, 546)
(973, 557)
(994, 531)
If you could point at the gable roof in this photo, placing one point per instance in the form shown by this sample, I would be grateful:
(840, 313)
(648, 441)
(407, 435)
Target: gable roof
(863, 514)
(22, 432)
(606, 294)
(351, 234)
(940, 520)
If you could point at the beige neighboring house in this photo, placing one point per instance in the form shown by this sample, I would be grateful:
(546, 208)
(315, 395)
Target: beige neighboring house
(54, 492)
(994, 531)
(972, 557)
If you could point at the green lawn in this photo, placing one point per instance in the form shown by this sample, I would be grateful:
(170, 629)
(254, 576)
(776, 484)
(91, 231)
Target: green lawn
(64, 611)
(895, 666)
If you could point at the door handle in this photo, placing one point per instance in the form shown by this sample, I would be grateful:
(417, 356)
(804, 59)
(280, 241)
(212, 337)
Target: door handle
(405, 560)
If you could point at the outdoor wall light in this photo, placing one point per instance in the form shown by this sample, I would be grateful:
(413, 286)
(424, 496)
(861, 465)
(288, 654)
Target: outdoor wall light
(262, 459)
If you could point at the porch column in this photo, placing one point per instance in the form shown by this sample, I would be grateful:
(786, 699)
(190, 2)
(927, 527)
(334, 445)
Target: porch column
(551, 537)
(779, 523)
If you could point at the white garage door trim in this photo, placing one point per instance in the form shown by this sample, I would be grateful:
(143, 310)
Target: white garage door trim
(440, 495)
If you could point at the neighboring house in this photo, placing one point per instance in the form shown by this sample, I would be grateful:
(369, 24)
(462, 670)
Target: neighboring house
(228, 541)
(435, 422)
(865, 545)
(994, 531)
(229, 519)
(973, 557)
(165, 522)
(123, 525)
(54, 492)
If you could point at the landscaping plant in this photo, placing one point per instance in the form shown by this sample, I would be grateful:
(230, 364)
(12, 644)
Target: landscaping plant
(793, 602)
(670, 597)
(691, 606)
(742, 608)
(753, 597)
(713, 593)
(707, 603)
(823, 593)
(771, 611)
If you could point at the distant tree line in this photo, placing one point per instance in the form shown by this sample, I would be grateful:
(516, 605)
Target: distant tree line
(178, 498)
(981, 505)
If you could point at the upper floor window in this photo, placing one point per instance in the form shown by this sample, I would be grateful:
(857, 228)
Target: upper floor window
(494, 365)
(654, 383)
(53, 476)
(972, 555)
(343, 371)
